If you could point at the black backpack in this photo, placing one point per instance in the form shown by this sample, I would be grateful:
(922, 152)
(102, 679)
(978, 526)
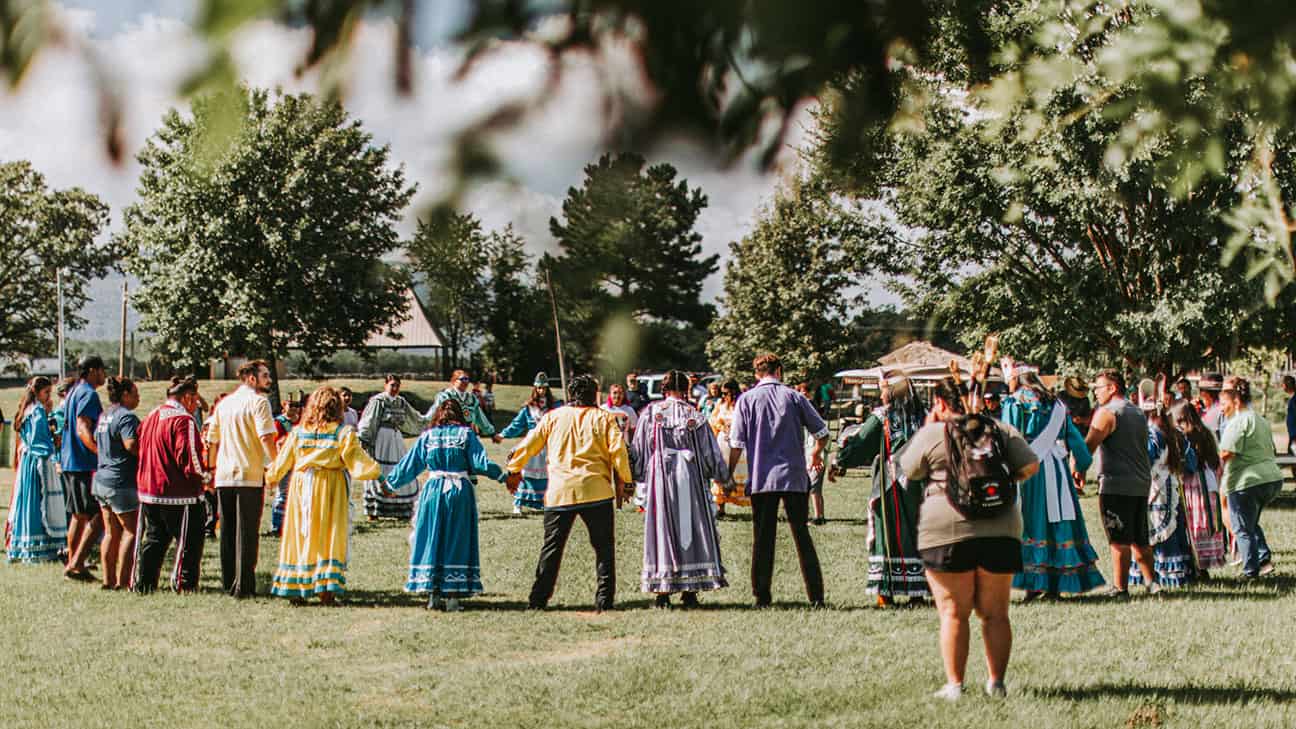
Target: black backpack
(978, 483)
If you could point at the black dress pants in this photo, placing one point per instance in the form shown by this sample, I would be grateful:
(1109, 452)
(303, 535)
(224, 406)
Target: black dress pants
(765, 526)
(557, 528)
(158, 525)
(240, 522)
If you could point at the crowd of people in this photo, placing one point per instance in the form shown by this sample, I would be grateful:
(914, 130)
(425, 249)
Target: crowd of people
(1182, 483)
(969, 499)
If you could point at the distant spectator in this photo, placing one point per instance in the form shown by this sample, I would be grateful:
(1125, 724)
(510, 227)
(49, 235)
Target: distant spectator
(636, 392)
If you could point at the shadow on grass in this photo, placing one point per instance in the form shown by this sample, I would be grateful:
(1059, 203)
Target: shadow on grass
(1178, 694)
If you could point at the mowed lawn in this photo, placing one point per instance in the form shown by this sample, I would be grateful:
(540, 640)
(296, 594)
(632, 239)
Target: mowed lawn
(1216, 655)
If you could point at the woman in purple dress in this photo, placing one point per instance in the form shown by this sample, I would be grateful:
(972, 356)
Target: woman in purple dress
(676, 456)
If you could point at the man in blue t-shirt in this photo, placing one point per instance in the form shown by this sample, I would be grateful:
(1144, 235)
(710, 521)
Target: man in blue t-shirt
(78, 458)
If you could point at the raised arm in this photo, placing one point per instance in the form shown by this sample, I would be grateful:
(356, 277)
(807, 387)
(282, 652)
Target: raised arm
(481, 463)
(284, 460)
(518, 426)
(357, 462)
(410, 466)
(531, 445)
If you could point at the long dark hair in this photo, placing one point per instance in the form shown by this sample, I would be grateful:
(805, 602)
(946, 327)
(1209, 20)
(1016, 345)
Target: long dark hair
(118, 387)
(449, 412)
(34, 386)
(1160, 417)
(1032, 382)
(541, 397)
(1201, 439)
(950, 391)
(730, 387)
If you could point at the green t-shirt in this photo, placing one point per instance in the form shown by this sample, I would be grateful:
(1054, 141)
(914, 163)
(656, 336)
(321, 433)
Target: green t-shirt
(1248, 437)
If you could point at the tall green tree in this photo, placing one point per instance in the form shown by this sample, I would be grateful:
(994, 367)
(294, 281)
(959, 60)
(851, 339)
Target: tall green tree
(517, 329)
(274, 240)
(629, 249)
(44, 231)
(449, 255)
(788, 286)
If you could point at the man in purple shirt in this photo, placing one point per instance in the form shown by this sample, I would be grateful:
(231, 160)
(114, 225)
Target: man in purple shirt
(767, 423)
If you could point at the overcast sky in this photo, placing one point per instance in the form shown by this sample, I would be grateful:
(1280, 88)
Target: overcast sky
(149, 48)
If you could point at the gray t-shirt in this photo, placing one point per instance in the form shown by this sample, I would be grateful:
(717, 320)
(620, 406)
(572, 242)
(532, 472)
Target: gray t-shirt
(939, 523)
(1124, 468)
(117, 466)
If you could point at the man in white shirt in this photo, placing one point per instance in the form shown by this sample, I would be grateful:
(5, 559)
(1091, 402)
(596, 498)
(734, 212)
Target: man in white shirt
(241, 444)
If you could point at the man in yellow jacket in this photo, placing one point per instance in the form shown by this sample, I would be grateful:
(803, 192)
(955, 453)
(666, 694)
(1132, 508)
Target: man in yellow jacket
(588, 463)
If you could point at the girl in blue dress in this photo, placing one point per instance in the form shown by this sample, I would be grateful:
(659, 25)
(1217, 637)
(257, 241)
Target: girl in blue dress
(1057, 557)
(444, 557)
(535, 474)
(37, 523)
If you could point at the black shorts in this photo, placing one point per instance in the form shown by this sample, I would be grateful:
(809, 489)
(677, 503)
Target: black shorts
(1124, 518)
(1001, 555)
(78, 489)
(817, 482)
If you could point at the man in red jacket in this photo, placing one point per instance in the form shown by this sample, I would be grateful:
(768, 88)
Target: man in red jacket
(170, 483)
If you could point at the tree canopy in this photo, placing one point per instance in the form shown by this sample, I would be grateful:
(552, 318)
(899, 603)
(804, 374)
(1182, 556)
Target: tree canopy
(273, 242)
(1022, 221)
(630, 257)
(44, 231)
(788, 286)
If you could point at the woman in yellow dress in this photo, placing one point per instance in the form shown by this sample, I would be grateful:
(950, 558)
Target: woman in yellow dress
(319, 453)
(720, 420)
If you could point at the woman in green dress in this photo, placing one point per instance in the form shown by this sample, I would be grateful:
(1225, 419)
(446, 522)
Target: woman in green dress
(894, 567)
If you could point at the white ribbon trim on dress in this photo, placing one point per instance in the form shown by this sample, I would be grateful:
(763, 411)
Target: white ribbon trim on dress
(684, 497)
(453, 479)
(1060, 505)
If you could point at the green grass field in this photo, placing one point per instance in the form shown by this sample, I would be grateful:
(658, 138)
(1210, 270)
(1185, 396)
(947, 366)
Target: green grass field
(1216, 655)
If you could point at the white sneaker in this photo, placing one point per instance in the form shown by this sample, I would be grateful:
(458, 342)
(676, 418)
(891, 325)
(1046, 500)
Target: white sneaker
(949, 692)
(517, 509)
(1154, 588)
(996, 689)
(453, 606)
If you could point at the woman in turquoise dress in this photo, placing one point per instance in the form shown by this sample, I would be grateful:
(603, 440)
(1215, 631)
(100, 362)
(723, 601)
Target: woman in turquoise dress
(1057, 557)
(444, 557)
(894, 567)
(37, 523)
(535, 474)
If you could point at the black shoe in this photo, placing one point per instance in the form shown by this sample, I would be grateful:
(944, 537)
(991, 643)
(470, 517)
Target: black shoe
(533, 605)
(764, 602)
(663, 602)
(818, 604)
(689, 600)
(819, 521)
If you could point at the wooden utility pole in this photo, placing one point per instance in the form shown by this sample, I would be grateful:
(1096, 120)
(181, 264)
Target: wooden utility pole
(121, 342)
(553, 303)
(62, 355)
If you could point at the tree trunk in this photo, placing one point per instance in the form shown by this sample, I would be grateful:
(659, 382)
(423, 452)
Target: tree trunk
(273, 394)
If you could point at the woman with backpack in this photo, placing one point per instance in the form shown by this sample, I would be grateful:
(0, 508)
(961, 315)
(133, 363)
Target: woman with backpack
(1056, 555)
(969, 527)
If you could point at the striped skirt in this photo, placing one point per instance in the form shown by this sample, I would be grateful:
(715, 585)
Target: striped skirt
(389, 448)
(316, 535)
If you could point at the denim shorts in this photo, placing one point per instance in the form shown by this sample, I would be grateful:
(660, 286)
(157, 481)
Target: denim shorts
(119, 500)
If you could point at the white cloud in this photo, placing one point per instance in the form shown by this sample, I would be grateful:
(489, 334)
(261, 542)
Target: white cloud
(53, 120)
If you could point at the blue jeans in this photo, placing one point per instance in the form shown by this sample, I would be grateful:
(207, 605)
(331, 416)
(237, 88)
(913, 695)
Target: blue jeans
(1244, 513)
(280, 506)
